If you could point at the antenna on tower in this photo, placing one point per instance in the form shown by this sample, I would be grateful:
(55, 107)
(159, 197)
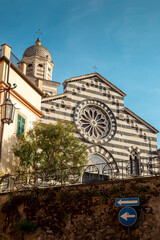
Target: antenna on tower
(39, 32)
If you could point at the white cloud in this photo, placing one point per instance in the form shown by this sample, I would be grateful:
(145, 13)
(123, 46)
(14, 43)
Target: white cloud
(83, 10)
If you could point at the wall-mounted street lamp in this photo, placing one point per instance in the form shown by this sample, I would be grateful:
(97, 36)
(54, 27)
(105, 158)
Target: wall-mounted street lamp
(7, 108)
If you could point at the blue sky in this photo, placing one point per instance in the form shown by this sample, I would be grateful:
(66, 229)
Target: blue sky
(120, 37)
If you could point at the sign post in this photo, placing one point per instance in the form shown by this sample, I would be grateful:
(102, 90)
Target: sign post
(127, 216)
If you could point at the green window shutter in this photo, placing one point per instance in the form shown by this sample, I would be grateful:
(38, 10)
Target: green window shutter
(20, 125)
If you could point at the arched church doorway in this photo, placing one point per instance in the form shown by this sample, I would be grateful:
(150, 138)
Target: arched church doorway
(101, 165)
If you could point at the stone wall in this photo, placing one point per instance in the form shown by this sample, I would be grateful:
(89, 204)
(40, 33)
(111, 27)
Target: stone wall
(85, 212)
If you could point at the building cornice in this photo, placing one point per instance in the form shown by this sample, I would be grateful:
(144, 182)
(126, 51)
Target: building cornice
(18, 97)
(59, 96)
(141, 120)
(22, 75)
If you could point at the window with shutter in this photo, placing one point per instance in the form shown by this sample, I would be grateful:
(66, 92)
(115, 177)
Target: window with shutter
(20, 125)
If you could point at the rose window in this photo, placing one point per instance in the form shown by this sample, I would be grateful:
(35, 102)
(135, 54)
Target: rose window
(95, 121)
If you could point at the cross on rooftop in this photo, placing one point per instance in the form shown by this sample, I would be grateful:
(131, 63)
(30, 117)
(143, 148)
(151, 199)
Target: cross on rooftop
(95, 68)
(39, 32)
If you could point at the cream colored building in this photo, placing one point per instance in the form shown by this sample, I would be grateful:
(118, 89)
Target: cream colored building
(27, 100)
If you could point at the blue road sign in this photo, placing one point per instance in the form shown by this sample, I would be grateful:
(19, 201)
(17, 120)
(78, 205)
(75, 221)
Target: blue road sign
(127, 216)
(123, 202)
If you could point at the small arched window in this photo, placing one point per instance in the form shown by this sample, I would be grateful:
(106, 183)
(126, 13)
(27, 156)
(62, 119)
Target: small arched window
(62, 104)
(96, 84)
(113, 100)
(145, 136)
(78, 89)
(134, 163)
(109, 95)
(104, 91)
(100, 87)
(117, 107)
(30, 65)
(40, 65)
(92, 84)
(127, 119)
(83, 87)
(140, 132)
(132, 123)
(73, 92)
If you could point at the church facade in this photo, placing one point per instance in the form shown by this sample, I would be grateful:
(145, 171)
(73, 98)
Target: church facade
(117, 139)
(113, 133)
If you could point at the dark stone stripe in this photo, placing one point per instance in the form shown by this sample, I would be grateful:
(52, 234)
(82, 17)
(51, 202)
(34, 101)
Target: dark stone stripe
(135, 135)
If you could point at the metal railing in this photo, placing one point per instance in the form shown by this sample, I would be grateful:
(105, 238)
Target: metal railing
(14, 59)
(81, 175)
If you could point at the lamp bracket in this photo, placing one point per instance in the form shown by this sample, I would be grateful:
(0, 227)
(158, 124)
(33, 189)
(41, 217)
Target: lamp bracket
(7, 89)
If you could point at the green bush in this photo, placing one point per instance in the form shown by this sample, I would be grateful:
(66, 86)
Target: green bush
(27, 225)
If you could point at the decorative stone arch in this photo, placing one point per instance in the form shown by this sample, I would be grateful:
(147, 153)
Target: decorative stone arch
(101, 162)
(131, 148)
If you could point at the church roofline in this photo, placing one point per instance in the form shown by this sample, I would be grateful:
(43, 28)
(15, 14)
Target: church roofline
(97, 75)
(50, 82)
(46, 99)
(141, 120)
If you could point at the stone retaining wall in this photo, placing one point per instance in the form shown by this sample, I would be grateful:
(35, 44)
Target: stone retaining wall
(85, 212)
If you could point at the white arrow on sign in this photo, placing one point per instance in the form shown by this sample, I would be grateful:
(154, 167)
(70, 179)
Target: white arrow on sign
(126, 216)
(127, 202)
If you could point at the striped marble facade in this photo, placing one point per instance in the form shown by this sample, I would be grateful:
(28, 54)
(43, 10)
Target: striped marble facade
(131, 131)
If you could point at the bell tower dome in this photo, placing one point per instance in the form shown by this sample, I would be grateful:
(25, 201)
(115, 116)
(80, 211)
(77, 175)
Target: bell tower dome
(39, 61)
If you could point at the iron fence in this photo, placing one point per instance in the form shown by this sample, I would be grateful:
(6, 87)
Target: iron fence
(81, 175)
(14, 59)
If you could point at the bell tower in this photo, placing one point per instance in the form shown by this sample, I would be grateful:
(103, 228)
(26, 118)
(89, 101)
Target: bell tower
(39, 67)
